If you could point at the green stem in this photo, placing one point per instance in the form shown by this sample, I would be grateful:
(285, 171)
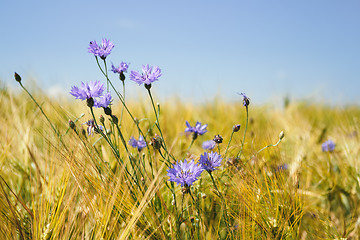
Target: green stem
(232, 133)
(242, 144)
(224, 203)
(52, 126)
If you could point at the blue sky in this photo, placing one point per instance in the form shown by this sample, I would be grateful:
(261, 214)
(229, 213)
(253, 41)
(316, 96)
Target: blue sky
(267, 49)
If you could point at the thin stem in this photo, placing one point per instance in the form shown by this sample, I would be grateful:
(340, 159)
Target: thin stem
(242, 144)
(223, 200)
(271, 145)
(192, 141)
(232, 133)
(52, 126)
(104, 135)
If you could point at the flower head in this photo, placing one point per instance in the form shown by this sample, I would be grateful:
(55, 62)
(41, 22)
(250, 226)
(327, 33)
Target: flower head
(246, 100)
(210, 161)
(103, 101)
(198, 129)
(139, 144)
(328, 146)
(102, 50)
(92, 127)
(236, 127)
(121, 68)
(209, 145)
(185, 173)
(149, 75)
(218, 139)
(88, 90)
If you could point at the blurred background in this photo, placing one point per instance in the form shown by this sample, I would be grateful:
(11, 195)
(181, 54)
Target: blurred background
(267, 49)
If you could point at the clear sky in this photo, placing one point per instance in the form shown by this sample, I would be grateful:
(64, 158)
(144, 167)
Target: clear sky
(267, 49)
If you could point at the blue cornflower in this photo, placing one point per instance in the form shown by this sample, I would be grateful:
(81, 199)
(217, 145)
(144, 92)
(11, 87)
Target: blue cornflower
(209, 145)
(102, 50)
(210, 161)
(103, 101)
(92, 128)
(185, 173)
(198, 129)
(246, 100)
(88, 90)
(139, 144)
(123, 67)
(328, 146)
(149, 75)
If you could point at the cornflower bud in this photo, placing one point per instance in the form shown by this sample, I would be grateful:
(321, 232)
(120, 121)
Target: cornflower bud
(108, 111)
(218, 139)
(236, 127)
(102, 119)
(17, 77)
(114, 119)
(281, 135)
(72, 124)
(156, 142)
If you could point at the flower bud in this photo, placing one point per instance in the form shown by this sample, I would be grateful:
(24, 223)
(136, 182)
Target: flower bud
(236, 127)
(218, 139)
(102, 119)
(17, 77)
(114, 119)
(108, 111)
(156, 142)
(71, 124)
(281, 135)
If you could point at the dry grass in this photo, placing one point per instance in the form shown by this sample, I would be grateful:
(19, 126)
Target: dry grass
(74, 187)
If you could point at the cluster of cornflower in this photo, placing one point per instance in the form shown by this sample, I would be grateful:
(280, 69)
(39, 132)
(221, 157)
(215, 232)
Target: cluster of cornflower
(186, 173)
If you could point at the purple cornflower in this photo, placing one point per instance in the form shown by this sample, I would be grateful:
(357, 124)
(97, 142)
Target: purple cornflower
(88, 90)
(209, 145)
(328, 146)
(139, 144)
(102, 50)
(185, 173)
(92, 128)
(149, 75)
(246, 100)
(121, 68)
(103, 101)
(198, 129)
(210, 161)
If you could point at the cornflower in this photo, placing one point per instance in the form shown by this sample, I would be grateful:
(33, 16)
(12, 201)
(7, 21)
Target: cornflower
(104, 101)
(209, 145)
(246, 100)
(92, 127)
(139, 144)
(148, 76)
(328, 146)
(185, 173)
(89, 92)
(123, 67)
(102, 50)
(210, 161)
(198, 129)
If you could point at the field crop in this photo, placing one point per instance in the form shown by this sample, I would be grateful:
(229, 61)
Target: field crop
(137, 169)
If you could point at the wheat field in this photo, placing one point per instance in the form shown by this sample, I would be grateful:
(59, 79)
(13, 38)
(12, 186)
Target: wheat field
(59, 182)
